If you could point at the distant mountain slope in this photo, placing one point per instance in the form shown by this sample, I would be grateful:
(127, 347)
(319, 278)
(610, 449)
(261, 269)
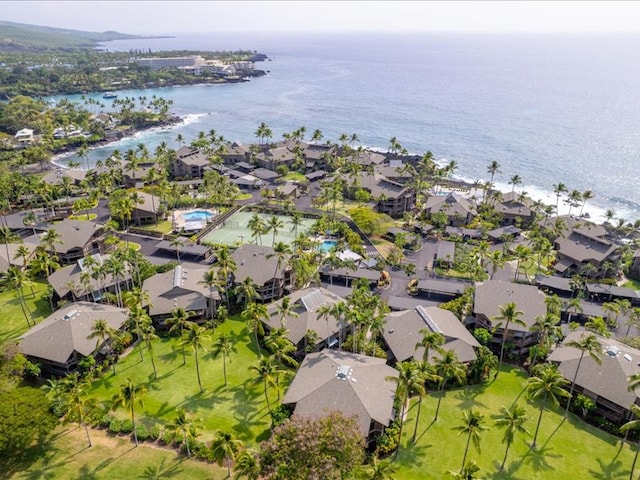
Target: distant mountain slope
(34, 38)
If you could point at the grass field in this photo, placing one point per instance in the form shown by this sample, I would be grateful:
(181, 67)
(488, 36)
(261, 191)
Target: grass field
(566, 450)
(66, 456)
(240, 407)
(12, 319)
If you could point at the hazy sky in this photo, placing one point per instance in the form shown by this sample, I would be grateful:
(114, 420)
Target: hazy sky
(157, 17)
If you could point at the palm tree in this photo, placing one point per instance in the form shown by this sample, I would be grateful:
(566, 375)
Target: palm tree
(105, 335)
(468, 472)
(17, 279)
(509, 313)
(195, 337)
(211, 280)
(247, 465)
(426, 372)
(574, 305)
(224, 345)
(515, 181)
(586, 195)
(448, 367)
(430, 340)
(182, 425)
(128, 396)
(281, 251)
(247, 290)
(179, 321)
(633, 425)
(409, 381)
(148, 334)
(513, 420)
(253, 315)
(559, 189)
(380, 470)
(472, 426)
(50, 239)
(547, 383)
(77, 404)
(586, 344)
(267, 371)
(492, 169)
(176, 243)
(225, 447)
(274, 224)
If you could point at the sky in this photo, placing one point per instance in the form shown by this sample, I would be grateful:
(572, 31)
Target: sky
(167, 17)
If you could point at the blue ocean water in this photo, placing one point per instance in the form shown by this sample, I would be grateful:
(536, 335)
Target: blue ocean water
(550, 108)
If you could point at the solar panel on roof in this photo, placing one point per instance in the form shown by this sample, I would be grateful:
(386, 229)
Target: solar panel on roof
(312, 300)
(177, 276)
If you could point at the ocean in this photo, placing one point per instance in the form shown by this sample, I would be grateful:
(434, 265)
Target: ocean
(549, 108)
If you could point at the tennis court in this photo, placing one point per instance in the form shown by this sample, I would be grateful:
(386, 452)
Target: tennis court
(235, 229)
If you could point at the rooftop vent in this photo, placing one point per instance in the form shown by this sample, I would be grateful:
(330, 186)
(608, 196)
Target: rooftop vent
(611, 350)
(627, 357)
(70, 315)
(433, 326)
(344, 372)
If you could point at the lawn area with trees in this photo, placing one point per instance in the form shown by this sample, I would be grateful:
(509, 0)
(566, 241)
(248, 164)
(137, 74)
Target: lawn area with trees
(13, 322)
(565, 449)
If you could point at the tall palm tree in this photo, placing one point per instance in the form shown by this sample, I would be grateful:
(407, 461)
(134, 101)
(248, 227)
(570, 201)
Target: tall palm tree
(226, 266)
(472, 426)
(286, 309)
(629, 426)
(195, 337)
(211, 280)
(468, 472)
(586, 344)
(253, 315)
(559, 189)
(77, 404)
(513, 420)
(184, 426)
(427, 375)
(257, 226)
(509, 314)
(106, 337)
(549, 384)
(179, 322)
(267, 372)
(176, 243)
(148, 335)
(408, 381)
(430, 341)
(224, 345)
(448, 367)
(247, 290)
(586, 195)
(17, 279)
(274, 225)
(225, 447)
(127, 397)
(282, 252)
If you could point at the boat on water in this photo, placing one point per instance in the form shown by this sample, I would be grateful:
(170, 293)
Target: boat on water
(110, 95)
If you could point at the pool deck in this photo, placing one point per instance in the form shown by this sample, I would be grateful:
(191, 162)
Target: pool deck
(181, 223)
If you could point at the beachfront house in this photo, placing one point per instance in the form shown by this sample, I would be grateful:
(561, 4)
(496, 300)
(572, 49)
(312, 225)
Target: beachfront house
(62, 340)
(188, 163)
(458, 210)
(586, 254)
(24, 137)
(355, 385)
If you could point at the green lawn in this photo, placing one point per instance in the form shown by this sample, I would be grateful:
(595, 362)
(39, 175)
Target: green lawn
(66, 456)
(569, 449)
(13, 322)
(239, 408)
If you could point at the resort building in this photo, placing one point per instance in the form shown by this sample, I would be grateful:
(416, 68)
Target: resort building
(306, 304)
(273, 278)
(78, 239)
(588, 255)
(171, 62)
(606, 384)
(355, 385)
(515, 209)
(402, 334)
(188, 163)
(391, 197)
(459, 210)
(62, 340)
(147, 209)
(181, 287)
(491, 295)
(24, 137)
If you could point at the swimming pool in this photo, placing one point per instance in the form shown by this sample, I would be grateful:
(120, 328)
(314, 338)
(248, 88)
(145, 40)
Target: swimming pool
(327, 245)
(197, 215)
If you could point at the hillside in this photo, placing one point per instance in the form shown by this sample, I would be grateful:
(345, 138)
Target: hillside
(20, 37)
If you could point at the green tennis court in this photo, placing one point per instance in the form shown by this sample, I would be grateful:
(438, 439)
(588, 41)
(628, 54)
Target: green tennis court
(236, 229)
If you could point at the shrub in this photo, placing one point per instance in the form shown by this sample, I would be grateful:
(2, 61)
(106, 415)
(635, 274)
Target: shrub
(120, 426)
(388, 441)
(142, 432)
(154, 432)
(199, 450)
(279, 415)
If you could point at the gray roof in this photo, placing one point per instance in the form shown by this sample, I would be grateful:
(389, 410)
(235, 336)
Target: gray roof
(67, 330)
(15, 221)
(450, 204)
(468, 232)
(555, 282)
(353, 384)
(148, 202)
(402, 333)
(13, 258)
(74, 233)
(264, 173)
(584, 248)
(379, 185)
(253, 261)
(437, 285)
(490, 295)
(613, 290)
(608, 380)
(61, 279)
(179, 287)
(307, 301)
(187, 247)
